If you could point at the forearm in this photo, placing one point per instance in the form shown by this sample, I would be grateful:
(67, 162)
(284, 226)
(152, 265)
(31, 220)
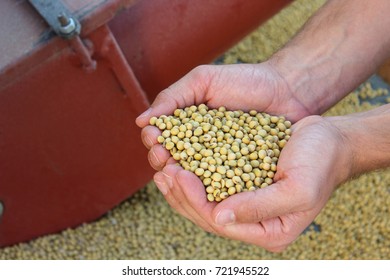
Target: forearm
(338, 48)
(367, 138)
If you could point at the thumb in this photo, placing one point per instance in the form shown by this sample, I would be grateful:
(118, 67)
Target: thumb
(255, 206)
(189, 90)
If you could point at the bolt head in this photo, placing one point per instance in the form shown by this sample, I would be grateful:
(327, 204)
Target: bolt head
(69, 28)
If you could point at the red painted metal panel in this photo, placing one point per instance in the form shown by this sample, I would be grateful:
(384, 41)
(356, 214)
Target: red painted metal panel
(164, 39)
(69, 148)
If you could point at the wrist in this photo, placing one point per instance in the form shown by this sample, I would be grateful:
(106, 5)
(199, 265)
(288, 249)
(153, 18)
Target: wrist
(366, 139)
(306, 77)
(284, 98)
(335, 51)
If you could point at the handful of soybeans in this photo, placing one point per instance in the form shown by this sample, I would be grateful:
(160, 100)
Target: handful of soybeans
(230, 151)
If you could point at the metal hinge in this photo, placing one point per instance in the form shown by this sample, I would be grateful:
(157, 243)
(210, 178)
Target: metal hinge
(65, 24)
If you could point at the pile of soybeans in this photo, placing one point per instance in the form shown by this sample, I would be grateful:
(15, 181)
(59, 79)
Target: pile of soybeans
(355, 224)
(230, 151)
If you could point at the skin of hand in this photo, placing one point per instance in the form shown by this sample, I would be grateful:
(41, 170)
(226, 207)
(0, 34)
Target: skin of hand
(272, 217)
(264, 90)
(260, 87)
(258, 218)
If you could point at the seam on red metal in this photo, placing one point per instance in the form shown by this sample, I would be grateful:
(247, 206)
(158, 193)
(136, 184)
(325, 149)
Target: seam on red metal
(111, 51)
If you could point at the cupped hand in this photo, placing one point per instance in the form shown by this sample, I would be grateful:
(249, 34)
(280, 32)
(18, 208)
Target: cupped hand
(238, 86)
(315, 160)
(271, 217)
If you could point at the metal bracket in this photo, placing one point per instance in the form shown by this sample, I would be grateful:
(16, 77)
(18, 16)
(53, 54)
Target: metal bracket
(65, 25)
(59, 18)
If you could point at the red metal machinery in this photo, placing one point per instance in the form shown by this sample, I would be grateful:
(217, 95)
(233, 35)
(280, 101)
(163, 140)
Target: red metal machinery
(69, 148)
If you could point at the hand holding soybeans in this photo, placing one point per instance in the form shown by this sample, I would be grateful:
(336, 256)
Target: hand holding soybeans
(230, 151)
(271, 217)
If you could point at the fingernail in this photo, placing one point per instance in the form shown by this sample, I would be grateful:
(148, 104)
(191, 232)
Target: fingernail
(225, 217)
(148, 141)
(168, 180)
(155, 158)
(144, 114)
(162, 186)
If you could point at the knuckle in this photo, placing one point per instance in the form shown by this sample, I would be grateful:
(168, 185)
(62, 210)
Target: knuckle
(200, 70)
(201, 73)
(258, 214)
(166, 96)
(172, 201)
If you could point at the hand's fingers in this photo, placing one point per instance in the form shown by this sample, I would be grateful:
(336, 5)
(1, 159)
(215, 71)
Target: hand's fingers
(195, 194)
(222, 85)
(149, 136)
(188, 91)
(158, 157)
(251, 233)
(176, 190)
(163, 185)
(273, 234)
(196, 197)
(266, 234)
(252, 207)
(171, 160)
(168, 186)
